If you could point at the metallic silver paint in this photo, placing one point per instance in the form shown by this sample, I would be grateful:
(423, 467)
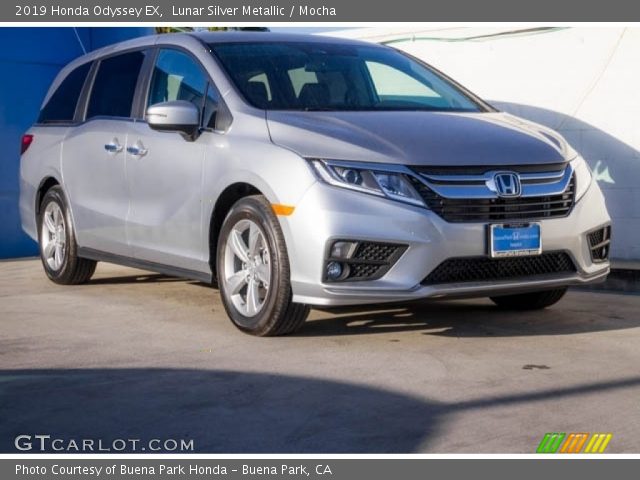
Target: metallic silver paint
(157, 206)
(95, 183)
(175, 112)
(415, 138)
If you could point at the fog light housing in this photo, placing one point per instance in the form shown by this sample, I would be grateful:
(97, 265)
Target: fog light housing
(359, 260)
(343, 249)
(334, 270)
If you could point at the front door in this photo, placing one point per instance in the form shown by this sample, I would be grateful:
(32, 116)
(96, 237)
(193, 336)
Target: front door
(164, 171)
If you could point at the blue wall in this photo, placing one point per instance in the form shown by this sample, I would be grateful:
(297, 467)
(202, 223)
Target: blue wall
(29, 60)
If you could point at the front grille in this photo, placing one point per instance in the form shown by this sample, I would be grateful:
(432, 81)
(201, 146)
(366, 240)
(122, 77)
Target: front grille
(599, 243)
(484, 269)
(498, 209)
(462, 193)
(479, 170)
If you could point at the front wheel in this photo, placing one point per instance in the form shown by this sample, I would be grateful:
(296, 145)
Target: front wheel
(253, 271)
(530, 301)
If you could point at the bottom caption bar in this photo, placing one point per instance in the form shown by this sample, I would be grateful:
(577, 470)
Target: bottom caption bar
(321, 468)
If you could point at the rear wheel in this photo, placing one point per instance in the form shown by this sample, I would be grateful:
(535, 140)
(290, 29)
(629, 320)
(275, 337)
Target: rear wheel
(253, 271)
(58, 248)
(530, 301)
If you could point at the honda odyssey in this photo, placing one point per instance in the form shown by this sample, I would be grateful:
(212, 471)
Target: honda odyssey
(299, 171)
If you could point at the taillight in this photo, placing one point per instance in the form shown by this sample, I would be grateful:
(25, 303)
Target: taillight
(27, 139)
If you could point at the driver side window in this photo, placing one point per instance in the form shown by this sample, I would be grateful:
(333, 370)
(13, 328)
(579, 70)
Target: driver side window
(177, 76)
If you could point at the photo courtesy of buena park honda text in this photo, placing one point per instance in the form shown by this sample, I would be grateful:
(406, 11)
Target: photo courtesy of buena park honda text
(319, 239)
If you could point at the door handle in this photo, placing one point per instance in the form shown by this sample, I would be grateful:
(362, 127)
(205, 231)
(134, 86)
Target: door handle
(113, 147)
(137, 150)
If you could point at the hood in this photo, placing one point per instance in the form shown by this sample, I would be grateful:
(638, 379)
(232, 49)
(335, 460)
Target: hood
(417, 138)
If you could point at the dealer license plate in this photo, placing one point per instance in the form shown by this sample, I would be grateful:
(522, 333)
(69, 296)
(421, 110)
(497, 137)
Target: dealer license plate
(514, 240)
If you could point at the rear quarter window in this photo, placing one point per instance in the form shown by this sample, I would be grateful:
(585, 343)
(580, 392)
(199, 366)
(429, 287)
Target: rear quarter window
(61, 106)
(114, 86)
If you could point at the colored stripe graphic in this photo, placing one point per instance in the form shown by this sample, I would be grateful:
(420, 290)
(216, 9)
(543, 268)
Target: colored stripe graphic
(573, 442)
(598, 443)
(569, 444)
(550, 443)
(580, 442)
(605, 443)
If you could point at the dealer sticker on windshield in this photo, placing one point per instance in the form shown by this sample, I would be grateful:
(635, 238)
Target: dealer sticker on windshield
(515, 240)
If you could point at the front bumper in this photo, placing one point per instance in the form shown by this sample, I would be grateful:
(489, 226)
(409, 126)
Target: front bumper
(327, 213)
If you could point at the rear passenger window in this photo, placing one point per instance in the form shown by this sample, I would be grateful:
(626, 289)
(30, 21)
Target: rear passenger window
(115, 85)
(61, 106)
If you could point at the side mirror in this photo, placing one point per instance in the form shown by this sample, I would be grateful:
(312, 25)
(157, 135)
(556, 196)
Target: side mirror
(174, 116)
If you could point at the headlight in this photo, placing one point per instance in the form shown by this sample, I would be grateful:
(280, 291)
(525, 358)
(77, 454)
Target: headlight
(381, 180)
(583, 176)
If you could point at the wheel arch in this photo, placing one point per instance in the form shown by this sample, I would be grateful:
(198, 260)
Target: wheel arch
(229, 196)
(45, 185)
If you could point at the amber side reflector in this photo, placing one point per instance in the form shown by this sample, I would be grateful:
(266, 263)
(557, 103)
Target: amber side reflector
(284, 210)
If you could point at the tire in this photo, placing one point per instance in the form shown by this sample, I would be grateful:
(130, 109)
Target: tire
(56, 233)
(530, 301)
(255, 285)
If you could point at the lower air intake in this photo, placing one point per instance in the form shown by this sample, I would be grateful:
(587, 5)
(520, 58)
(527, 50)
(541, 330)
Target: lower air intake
(599, 243)
(484, 269)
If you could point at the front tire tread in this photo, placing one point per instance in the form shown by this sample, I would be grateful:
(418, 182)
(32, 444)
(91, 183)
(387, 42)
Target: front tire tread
(282, 316)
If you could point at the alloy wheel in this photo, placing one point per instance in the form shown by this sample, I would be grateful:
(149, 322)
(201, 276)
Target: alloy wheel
(247, 267)
(54, 236)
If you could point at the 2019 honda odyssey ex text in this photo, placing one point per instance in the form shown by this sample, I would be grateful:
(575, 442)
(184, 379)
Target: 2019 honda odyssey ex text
(298, 171)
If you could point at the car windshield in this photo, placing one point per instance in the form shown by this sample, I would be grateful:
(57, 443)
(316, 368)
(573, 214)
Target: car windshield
(316, 76)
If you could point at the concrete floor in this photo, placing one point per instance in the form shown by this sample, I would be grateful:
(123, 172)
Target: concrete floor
(138, 355)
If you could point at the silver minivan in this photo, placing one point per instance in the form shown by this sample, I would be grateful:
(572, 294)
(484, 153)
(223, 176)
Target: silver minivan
(298, 170)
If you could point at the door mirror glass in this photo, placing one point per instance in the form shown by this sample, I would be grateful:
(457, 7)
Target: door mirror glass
(174, 116)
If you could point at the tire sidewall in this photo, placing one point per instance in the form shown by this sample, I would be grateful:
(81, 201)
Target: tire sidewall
(55, 195)
(251, 208)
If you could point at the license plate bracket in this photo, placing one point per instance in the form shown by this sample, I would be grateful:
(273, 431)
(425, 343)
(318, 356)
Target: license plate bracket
(514, 240)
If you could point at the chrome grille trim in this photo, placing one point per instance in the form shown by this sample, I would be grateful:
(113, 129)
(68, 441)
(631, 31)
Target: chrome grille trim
(540, 177)
(481, 186)
(548, 192)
